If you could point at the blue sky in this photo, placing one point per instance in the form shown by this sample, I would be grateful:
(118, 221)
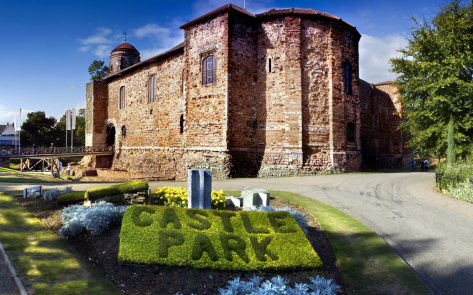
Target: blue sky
(46, 47)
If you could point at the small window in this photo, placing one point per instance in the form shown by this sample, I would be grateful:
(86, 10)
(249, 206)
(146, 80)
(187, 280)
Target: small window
(181, 124)
(182, 82)
(122, 98)
(351, 132)
(209, 70)
(270, 65)
(347, 78)
(151, 89)
(123, 131)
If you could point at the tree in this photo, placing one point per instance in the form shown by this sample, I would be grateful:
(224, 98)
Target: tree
(451, 144)
(39, 130)
(435, 74)
(79, 132)
(98, 70)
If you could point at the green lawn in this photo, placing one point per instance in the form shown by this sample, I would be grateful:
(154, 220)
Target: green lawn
(45, 263)
(8, 170)
(368, 264)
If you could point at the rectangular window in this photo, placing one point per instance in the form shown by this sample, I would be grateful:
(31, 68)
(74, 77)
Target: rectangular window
(122, 98)
(151, 89)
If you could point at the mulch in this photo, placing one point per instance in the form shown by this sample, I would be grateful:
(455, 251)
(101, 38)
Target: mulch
(102, 251)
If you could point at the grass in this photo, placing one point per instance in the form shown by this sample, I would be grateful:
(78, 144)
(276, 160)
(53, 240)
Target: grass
(23, 180)
(45, 263)
(368, 264)
(8, 170)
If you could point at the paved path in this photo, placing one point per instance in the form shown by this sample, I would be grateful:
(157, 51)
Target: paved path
(431, 232)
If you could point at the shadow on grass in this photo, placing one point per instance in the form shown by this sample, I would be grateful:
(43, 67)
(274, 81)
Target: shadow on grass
(45, 263)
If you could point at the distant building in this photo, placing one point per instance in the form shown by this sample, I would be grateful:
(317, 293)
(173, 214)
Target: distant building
(7, 136)
(244, 95)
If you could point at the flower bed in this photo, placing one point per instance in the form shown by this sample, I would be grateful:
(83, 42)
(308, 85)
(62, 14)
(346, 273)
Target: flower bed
(214, 239)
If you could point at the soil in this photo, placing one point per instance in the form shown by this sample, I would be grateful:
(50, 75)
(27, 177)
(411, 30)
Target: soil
(102, 251)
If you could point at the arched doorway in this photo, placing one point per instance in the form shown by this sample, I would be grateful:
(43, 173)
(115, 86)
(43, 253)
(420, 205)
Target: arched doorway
(110, 140)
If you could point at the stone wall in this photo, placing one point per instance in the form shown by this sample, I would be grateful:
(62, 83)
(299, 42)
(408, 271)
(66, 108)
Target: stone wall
(96, 112)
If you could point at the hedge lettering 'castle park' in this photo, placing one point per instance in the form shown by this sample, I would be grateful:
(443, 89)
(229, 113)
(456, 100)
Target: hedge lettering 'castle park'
(246, 95)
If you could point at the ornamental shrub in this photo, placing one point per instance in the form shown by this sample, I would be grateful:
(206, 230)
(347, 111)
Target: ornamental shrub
(278, 286)
(95, 219)
(127, 187)
(178, 197)
(462, 190)
(300, 217)
(71, 197)
(55, 193)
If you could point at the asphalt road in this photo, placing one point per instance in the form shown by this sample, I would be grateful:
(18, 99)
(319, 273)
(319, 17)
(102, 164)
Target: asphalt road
(431, 232)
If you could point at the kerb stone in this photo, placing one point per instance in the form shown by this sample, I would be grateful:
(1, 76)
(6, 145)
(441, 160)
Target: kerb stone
(199, 188)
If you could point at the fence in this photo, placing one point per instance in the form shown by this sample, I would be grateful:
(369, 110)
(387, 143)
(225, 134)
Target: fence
(82, 150)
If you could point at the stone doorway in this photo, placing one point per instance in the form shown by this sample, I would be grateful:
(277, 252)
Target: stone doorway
(110, 140)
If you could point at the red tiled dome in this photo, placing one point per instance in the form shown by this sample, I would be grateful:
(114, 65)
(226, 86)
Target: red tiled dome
(125, 47)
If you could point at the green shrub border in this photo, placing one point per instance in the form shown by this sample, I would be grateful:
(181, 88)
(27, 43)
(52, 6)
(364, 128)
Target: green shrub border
(71, 198)
(127, 187)
(214, 239)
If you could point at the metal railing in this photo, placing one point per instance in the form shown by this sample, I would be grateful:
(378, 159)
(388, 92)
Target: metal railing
(55, 151)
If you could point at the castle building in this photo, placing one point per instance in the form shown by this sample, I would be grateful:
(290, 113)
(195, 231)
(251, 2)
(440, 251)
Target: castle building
(246, 95)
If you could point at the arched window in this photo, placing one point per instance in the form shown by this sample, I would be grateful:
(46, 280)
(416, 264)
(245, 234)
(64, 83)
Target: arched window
(209, 70)
(181, 124)
(123, 131)
(270, 65)
(347, 78)
(351, 132)
(151, 89)
(122, 98)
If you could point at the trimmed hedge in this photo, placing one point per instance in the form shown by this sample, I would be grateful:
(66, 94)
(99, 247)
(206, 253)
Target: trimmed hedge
(71, 197)
(214, 239)
(124, 188)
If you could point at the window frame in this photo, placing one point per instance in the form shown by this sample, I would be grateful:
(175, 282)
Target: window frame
(351, 132)
(152, 89)
(122, 98)
(347, 78)
(211, 61)
(123, 131)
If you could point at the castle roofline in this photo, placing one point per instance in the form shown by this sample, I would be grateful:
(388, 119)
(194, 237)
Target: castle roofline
(125, 47)
(305, 12)
(213, 13)
(384, 83)
(176, 49)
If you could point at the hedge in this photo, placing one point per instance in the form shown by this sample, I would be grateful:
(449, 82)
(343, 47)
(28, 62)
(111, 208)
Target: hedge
(127, 187)
(71, 197)
(214, 239)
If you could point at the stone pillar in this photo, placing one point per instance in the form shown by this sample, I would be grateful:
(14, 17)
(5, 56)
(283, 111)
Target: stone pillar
(199, 187)
(293, 90)
(95, 113)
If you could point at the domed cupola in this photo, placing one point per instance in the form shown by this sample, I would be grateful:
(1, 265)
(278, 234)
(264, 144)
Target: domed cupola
(123, 56)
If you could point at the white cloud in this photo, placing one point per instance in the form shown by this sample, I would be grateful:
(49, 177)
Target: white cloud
(84, 48)
(99, 43)
(103, 51)
(80, 105)
(375, 54)
(8, 116)
(73, 87)
(162, 38)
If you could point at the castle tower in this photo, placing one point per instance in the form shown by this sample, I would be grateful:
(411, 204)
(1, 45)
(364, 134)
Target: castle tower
(123, 56)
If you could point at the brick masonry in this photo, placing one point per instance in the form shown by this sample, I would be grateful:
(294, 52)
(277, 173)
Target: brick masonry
(277, 107)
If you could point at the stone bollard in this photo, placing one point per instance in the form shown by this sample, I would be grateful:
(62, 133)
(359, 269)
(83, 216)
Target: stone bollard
(199, 187)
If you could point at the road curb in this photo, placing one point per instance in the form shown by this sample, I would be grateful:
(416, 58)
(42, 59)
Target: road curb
(12, 271)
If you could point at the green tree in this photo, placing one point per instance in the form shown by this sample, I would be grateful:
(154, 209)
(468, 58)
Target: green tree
(435, 75)
(38, 129)
(451, 155)
(79, 132)
(98, 70)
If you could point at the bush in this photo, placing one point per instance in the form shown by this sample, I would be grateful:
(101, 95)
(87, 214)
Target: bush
(53, 194)
(95, 219)
(127, 187)
(300, 217)
(71, 197)
(449, 176)
(462, 190)
(178, 197)
(278, 286)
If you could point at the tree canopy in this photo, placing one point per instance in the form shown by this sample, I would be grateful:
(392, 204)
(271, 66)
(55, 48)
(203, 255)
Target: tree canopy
(435, 76)
(98, 70)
